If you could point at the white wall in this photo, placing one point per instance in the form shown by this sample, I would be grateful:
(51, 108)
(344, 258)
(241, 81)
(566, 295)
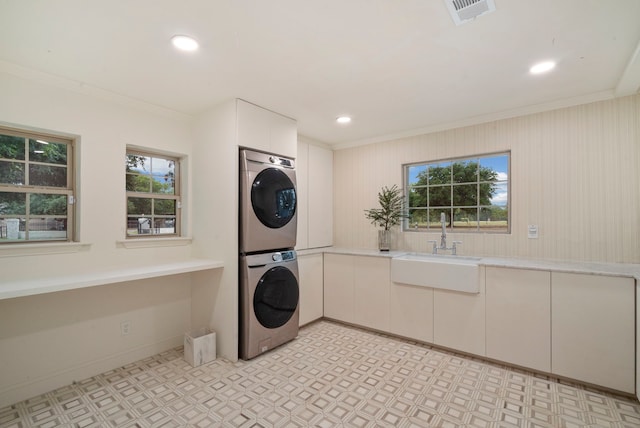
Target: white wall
(50, 340)
(574, 173)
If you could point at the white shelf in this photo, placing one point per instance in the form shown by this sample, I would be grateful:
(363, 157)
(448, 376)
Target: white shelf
(31, 287)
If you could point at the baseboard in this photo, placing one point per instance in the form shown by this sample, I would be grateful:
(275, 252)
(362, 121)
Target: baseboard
(11, 394)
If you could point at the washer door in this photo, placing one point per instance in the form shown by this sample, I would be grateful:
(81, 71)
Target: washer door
(276, 297)
(273, 198)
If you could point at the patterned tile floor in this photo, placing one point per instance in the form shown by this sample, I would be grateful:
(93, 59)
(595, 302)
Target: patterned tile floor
(330, 376)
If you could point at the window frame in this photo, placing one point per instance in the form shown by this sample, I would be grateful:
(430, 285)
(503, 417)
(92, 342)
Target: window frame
(176, 196)
(69, 190)
(407, 189)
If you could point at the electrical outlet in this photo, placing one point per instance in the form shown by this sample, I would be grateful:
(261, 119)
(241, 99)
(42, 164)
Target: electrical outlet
(125, 328)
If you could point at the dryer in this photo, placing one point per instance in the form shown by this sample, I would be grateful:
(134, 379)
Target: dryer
(269, 296)
(268, 202)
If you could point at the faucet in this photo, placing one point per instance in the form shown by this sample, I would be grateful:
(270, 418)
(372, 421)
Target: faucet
(443, 238)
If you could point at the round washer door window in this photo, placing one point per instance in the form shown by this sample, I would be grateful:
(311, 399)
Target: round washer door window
(276, 297)
(273, 198)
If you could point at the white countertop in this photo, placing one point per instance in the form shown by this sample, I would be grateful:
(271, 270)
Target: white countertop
(72, 281)
(594, 268)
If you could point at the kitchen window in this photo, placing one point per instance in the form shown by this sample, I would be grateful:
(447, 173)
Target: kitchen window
(36, 187)
(472, 192)
(153, 195)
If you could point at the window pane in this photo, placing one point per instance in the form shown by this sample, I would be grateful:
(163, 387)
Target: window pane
(466, 218)
(163, 175)
(417, 175)
(440, 173)
(139, 226)
(165, 225)
(139, 206)
(494, 219)
(164, 207)
(418, 197)
(440, 196)
(45, 175)
(500, 195)
(417, 219)
(494, 168)
(11, 147)
(13, 203)
(47, 229)
(465, 171)
(12, 173)
(465, 195)
(138, 183)
(43, 151)
(138, 164)
(44, 204)
(12, 229)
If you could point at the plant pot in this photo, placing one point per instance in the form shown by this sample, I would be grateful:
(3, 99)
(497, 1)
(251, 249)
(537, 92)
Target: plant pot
(384, 240)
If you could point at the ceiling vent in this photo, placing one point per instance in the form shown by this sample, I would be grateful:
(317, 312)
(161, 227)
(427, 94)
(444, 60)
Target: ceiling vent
(467, 10)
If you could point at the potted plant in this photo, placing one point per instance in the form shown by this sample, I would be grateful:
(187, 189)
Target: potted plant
(389, 214)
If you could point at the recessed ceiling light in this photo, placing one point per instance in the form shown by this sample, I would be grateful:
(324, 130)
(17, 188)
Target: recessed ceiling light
(343, 119)
(542, 67)
(42, 142)
(185, 43)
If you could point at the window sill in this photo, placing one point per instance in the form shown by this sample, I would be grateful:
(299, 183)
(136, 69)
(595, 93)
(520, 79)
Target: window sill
(153, 242)
(23, 288)
(36, 249)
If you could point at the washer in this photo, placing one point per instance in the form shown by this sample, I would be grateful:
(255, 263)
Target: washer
(268, 201)
(269, 295)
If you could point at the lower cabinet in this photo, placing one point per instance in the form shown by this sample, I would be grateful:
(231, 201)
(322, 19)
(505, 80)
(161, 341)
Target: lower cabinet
(519, 317)
(310, 271)
(357, 290)
(459, 319)
(411, 311)
(338, 287)
(592, 329)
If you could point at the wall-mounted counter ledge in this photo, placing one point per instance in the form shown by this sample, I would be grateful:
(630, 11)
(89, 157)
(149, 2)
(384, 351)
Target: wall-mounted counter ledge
(31, 287)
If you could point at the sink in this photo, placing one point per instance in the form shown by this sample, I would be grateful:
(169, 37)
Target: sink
(457, 273)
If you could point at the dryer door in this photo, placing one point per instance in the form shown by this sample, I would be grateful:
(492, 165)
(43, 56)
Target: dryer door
(276, 297)
(273, 198)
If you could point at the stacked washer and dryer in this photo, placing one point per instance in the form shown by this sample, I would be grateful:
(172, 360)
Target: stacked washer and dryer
(268, 277)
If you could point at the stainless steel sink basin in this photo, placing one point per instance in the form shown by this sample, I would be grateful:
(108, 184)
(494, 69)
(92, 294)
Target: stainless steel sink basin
(457, 273)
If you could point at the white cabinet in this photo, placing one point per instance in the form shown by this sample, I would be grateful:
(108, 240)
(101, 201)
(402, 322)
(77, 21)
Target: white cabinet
(338, 287)
(518, 321)
(459, 319)
(411, 311)
(592, 329)
(371, 292)
(356, 290)
(310, 269)
(264, 130)
(314, 172)
(320, 197)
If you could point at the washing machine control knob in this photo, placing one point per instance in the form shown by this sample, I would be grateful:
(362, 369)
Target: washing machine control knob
(277, 257)
(273, 159)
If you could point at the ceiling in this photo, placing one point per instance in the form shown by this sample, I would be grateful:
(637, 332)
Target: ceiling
(396, 66)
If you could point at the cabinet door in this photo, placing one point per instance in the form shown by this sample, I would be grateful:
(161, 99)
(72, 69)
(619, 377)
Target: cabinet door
(411, 311)
(459, 319)
(253, 126)
(592, 329)
(338, 287)
(371, 292)
(519, 317)
(302, 194)
(320, 197)
(311, 273)
(283, 135)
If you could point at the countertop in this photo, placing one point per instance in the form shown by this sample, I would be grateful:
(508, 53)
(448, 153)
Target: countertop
(594, 268)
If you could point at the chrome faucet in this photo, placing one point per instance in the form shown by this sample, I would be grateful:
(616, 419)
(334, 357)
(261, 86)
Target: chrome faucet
(443, 238)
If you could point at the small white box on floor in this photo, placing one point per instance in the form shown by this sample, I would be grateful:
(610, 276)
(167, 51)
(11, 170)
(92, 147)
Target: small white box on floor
(199, 347)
